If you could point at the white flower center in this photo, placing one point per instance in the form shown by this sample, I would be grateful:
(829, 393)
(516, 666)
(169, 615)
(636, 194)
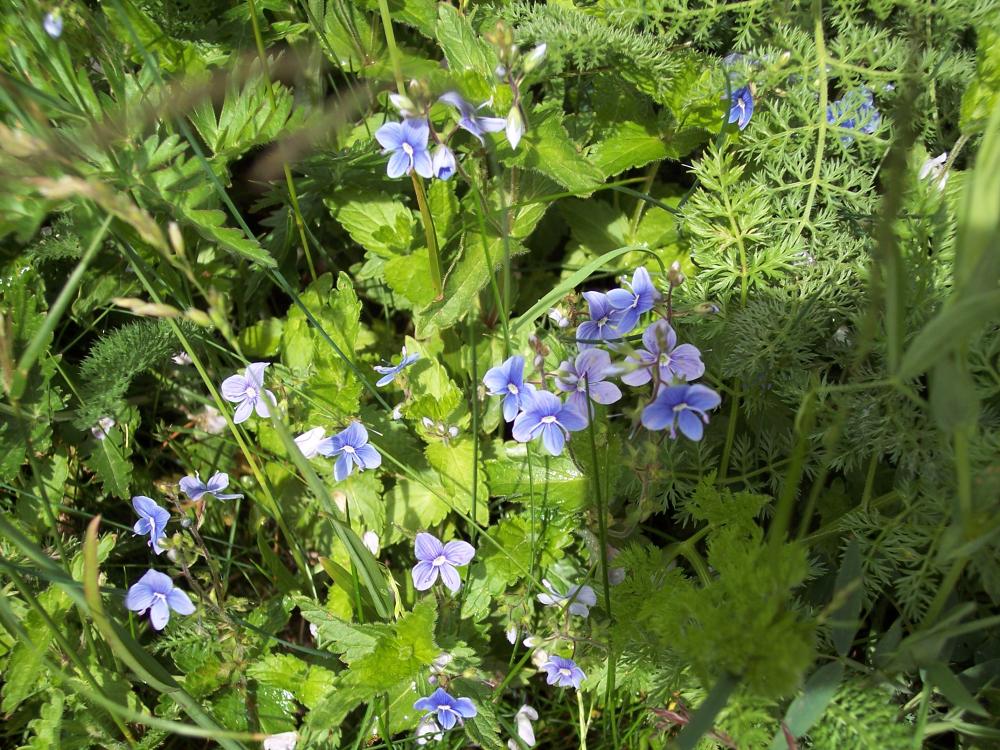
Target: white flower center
(680, 407)
(664, 359)
(162, 597)
(349, 449)
(601, 323)
(408, 150)
(566, 672)
(439, 561)
(512, 388)
(548, 420)
(250, 392)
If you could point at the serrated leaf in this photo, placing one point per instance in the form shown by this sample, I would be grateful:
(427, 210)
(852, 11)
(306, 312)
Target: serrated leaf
(109, 459)
(627, 145)
(547, 148)
(462, 47)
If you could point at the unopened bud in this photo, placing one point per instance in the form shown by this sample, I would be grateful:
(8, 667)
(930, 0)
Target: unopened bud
(403, 104)
(675, 275)
(515, 126)
(176, 238)
(534, 58)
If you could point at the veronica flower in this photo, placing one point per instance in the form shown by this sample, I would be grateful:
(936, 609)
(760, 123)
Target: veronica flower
(248, 391)
(581, 598)
(603, 320)
(53, 24)
(435, 559)
(639, 297)
(194, 488)
(443, 162)
(563, 672)
(407, 142)
(371, 541)
(662, 353)
(741, 107)
(428, 726)
(681, 406)
(507, 380)
(449, 711)
(546, 416)
(155, 592)
(309, 441)
(855, 110)
(389, 373)
(934, 168)
(586, 374)
(469, 119)
(514, 125)
(351, 445)
(152, 520)
(102, 428)
(282, 741)
(522, 719)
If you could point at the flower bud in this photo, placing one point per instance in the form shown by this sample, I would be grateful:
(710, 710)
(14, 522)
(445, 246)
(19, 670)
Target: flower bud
(403, 104)
(515, 126)
(443, 162)
(674, 274)
(534, 58)
(53, 24)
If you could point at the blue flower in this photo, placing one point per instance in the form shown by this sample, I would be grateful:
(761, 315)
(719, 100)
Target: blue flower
(638, 298)
(602, 323)
(435, 559)
(309, 441)
(469, 119)
(854, 111)
(389, 373)
(545, 415)
(507, 380)
(248, 391)
(53, 24)
(195, 488)
(351, 444)
(155, 592)
(563, 672)
(407, 142)
(581, 598)
(587, 373)
(449, 711)
(681, 406)
(671, 361)
(152, 520)
(443, 162)
(741, 107)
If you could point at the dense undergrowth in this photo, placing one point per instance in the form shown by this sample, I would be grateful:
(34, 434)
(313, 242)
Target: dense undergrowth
(383, 373)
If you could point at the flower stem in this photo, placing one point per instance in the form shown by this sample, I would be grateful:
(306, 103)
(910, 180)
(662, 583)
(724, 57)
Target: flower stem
(430, 234)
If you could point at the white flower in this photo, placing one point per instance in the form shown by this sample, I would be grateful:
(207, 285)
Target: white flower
(370, 540)
(210, 420)
(104, 425)
(523, 718)
(181, 359)
(53, 25)
(428, 726)
(397, 412)
(283, 741)
(511, 634)
(515, 126)
(934, 168)
(309, 441)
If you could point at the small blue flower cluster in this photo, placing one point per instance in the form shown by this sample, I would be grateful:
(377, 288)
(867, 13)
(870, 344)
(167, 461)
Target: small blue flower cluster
(676, 404)
(854, 111)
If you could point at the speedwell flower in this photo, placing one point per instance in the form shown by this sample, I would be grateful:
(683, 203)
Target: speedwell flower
(469, 119)
(681, 406)
(662, 352)
(581, 598)
(586, 374)
(507, 380)
(390, 372)
(248, 391)
(309, 441)
(53, 24)
(282, 741)
(544, 414)
(443, 162)
(195, 488)
(436, 559)
(428, 730)
(156, 592)
(449, 711)
(639, 297)
(934, 168)
(741, 107)
(353, 449)
(523, 718)
(407, 142)
(152, 520)
(603, 320)
(563, 672)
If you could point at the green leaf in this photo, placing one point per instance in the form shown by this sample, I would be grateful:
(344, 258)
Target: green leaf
(947, 331)
(109, 459)
(463, 49)
(554, 479)
(454, 461)
(627, 145)
(262, 339)
(806, 709)
(547, 148)
(982, 97)
(380, 224)
(952, 688)
(309, 683)
(849, 586)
